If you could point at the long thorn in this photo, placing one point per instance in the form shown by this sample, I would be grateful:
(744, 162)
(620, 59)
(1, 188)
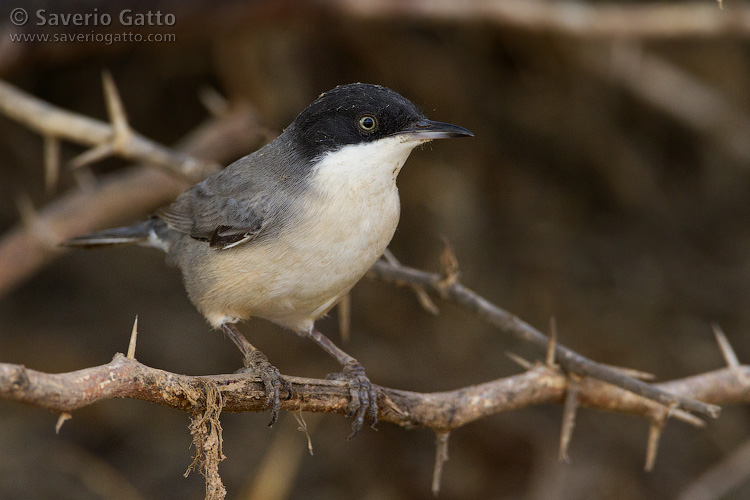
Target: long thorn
(116, 112)
(652, 448)
(688, 418)
(92, 155)
(64, 416)
(133, 339)
(422, 296)
(570, 408)
(549, 359)
(726, 348)
(523, 363)
(441, 456)
(631, 372)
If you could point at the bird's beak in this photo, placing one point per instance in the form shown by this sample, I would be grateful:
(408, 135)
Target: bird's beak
(427, 130)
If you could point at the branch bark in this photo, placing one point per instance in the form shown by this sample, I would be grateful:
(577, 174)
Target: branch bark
(52, 121)
(441, 411)
(509, 323)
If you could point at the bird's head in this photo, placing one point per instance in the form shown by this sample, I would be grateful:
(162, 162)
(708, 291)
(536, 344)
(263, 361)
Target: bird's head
(363, 114)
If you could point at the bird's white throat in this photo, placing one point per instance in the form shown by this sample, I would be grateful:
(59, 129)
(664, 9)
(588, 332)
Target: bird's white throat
(370, 165)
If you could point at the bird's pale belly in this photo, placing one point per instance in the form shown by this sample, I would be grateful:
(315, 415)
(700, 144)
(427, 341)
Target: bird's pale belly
(303, 276)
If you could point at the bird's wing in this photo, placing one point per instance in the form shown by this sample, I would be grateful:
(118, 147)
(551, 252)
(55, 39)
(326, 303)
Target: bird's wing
(222, 217)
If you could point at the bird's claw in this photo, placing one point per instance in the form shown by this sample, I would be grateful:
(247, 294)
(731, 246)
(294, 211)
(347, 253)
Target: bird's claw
(274, 382)
(364, 396)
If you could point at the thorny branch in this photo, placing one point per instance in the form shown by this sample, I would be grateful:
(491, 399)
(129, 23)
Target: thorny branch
(113, 199)
(205, 397)
(51, 121)
(508, 323)
(441, 411)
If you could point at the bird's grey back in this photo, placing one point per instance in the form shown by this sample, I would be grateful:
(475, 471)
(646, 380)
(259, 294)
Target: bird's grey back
(255, 196)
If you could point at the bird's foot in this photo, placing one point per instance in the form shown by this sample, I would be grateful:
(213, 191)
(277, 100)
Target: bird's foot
(364, 396)
(257, 363)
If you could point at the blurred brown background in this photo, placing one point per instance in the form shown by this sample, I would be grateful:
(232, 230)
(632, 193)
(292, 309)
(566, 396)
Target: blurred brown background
(607, 185)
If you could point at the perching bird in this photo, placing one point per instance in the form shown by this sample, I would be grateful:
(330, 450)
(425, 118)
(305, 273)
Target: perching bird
(285, 232)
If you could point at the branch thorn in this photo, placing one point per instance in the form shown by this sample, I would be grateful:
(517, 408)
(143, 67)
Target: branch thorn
(726, 348)
(631, 372)
(687, 417)
(423, 297)
(92, 155)
(570, 408)
(133, 339)
(121, 131)
(215, 103)
(117, 116)
(549, 359)
(523, 363)
(441, 456)
(654, 435)
(61, 420)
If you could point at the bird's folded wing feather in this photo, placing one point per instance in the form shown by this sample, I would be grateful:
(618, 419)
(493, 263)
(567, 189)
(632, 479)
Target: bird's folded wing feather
(223, 219)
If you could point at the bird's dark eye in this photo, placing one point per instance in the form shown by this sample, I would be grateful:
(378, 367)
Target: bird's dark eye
(368, 123)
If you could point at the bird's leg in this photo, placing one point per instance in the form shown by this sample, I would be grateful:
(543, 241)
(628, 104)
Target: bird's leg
(259, 364)
(364, 397)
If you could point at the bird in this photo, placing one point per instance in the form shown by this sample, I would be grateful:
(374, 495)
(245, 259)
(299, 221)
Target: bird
(285, 232)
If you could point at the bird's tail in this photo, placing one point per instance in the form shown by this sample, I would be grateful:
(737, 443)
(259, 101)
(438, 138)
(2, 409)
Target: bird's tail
(151, 233)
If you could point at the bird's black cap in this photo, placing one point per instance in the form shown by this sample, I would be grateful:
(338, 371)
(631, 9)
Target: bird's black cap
(360, 112)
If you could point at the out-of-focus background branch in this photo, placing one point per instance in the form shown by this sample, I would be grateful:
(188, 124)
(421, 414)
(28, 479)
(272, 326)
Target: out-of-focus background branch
(607, 186)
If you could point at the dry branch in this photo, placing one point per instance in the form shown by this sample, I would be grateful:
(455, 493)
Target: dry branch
(52, 121)
(689, 100)
(509, 323)
(442, 411)
(577, 19)
(116, 198)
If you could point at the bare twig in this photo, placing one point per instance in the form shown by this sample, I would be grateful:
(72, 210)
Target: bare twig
(52, 121)
(509, 323)
(127, 378)
(576, 19)
(692, 102)
(115, 198)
